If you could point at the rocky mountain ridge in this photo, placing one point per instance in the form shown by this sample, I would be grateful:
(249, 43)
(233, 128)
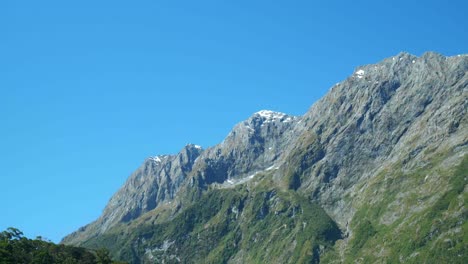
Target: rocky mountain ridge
(378, 151)
(252, 145)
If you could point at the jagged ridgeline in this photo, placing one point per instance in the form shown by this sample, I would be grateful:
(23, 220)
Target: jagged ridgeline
(375, 171)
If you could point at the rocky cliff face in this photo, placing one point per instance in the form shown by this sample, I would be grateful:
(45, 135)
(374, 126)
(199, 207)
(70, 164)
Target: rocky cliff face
(383, 113)
(382, 154)
(253, 145)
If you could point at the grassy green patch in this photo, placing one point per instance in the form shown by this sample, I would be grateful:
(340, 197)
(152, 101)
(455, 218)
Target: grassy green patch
(434, 233)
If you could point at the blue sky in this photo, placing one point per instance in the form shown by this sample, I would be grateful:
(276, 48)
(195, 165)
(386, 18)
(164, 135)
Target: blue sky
(89, 89)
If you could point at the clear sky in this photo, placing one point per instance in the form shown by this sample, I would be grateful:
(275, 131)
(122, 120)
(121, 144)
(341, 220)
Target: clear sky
(89, 89)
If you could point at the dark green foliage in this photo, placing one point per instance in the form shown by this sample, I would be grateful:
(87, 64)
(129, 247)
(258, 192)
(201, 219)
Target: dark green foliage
(103, 256)
(15, 248)
(363, 231)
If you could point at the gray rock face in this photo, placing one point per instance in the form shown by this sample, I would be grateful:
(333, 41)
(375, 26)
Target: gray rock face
(383, 113)
(252, 145)
(156, 181)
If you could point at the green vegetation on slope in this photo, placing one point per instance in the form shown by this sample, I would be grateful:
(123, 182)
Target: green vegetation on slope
(409, 224)
(404, 215)
(302, 157)
(15, 248)
(249, 224)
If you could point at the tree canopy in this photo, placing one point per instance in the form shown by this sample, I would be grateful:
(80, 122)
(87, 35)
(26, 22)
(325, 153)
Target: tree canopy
(15, 248)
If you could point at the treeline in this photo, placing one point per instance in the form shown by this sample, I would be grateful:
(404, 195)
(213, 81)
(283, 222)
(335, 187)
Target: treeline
(15, 248)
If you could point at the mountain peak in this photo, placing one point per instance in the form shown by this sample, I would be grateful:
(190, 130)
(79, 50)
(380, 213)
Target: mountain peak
(193, 146)
(268, 113)
(271, 116)
(155, 159)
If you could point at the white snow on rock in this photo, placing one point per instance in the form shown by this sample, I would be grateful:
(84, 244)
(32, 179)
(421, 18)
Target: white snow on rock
(198, 147)
(233, 182)
(155, 159)
(271, 116)
(360, 73)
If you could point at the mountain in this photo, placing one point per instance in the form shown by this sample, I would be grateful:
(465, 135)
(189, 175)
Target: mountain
(375, 171)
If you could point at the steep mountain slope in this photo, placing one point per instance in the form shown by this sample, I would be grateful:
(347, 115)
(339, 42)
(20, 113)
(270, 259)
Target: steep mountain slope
(375, 171)
(251, 146)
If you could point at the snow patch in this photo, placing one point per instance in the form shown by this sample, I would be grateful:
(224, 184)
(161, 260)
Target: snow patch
(233, 182)
(155, 159)
(270, 116)
(360, 73)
